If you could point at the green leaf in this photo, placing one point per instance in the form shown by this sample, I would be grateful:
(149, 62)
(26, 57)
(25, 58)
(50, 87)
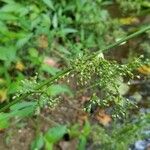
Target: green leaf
(8, 1)
(21, 42)
(7, 16)
(48, 145)
(69, 30)
(86, 129)
(83, 137)
(49, 4)
(82, 143)
(20, 110)
(13, 87)
(22, 105)
(55, 21)
(4, 123)
(23, 112)
(54, 134)
(49, 69)
(146, 4)
(64, 50)
(74, 130)
(46, 22)
(38, 142)
(10, 8)
(7, 53)
(3, 27)
(33, 52)
(57, 89)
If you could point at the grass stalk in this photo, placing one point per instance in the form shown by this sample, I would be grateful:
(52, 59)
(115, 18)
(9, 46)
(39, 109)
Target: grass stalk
(66, 71)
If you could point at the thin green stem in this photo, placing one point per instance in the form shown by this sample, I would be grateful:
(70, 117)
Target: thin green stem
(14, 102)
(121, 41)
(24, 96)
(66, 71)
(52, 79)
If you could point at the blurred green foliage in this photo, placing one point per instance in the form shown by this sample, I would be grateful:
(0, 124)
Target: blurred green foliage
(39, 38)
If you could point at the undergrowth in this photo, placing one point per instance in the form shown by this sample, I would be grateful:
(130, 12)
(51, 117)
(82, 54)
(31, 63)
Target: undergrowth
(77, 34)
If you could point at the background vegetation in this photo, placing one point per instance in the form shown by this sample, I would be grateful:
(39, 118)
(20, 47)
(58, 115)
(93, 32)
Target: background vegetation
(71, 76)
